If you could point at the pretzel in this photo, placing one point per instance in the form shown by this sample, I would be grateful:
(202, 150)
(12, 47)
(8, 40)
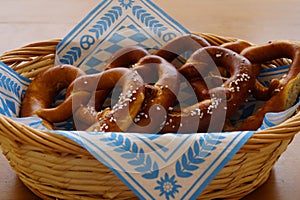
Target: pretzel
(41, 92)
(162, 80)
(126, 56)
(180, 45)
(165, 79)
(259, 91)
(120, 116)
(237, 46)
(87, 115)
(219, 99)
(284, 91)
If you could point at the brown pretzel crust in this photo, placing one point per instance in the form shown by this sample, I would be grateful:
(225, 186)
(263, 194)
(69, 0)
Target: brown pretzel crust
(121, 115)
(237, 46)
(178, 46)
(43, 89)
(87, 115)
(154, 69)
(259, 91)
(224, 98)
(285, 95)
(126, 57)
(162, 80)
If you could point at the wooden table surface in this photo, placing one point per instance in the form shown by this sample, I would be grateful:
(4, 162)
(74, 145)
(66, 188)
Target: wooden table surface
(23, 22)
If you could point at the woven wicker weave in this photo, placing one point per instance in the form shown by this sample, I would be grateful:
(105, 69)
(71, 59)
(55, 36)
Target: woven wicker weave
(54, 167)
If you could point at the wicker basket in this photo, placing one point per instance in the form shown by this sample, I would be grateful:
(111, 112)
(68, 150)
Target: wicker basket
(54, 167)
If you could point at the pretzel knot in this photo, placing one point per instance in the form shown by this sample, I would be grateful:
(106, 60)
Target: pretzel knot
(281, 94)
(126, 57)
(183, 44)
(162, 85)
(121, 114)
(89, 113)
(162, 79)
(219, 94)
(40, 94)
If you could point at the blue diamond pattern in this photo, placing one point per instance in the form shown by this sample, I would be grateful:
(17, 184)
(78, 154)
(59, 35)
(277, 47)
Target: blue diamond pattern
(112, 49)
(138, 37)
(92, 71)
(116, 38)
(92, 62)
